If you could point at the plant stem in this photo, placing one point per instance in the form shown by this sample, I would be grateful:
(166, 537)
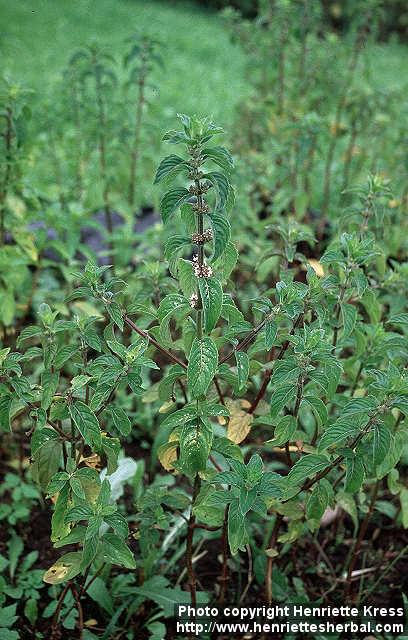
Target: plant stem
(224, 543)
(385, 573)
(137, 133)
(153, 341)
(337, 118)
(268, 372)
(269, 565)
(359, 541)
(8, 137)
(189, 544)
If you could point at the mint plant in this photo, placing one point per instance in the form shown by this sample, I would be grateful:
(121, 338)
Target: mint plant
(276, 409)
(141, 59)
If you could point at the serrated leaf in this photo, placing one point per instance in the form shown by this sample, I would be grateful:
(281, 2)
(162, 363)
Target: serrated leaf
(221, 185)
(115, 313)
(120, 420)
(237, 533)
(211, 297)
(171, 201)
(242, 361)
(349, 318)
(284, 430)
(86, 422)
(202, 365)
(281, 397)
(195, 446)
(227, 448)
(220, 156)
(114, 550)
(169, 167)
(318, 408)
(307, 467)
(381, 442)
(5, 404)
(271, 329)
(228, 260)
(187, 279)
(337, 433)
(355, 473)
(221, 232)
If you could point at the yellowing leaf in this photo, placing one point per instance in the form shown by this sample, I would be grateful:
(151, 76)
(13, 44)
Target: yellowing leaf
(167, 454)
(67, 567)
(240, 421)
(317, 267)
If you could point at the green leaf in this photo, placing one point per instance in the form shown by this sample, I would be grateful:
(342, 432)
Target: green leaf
(222, 186)
(317, 502)
(337, 433)
(237, 533)
(118, 524)
(358, 405)
(349, 318)
(111, 448)
(5, 404)
(8, 616)
(271, 329)
(120, 420)
(157, 590)
(355, 474)
(195, 446)
(228, 260)
(169, 167)
(57, 482)
(114, 550)
(86, 422)
(49, 383)
(171, 201)
(227, 448)
(242, 361)
(381, 442)
(202, 365)
(211, 296)
(187, 278)
(221, 232)
(306, 467)
(284, 431)
(115, 313)
(318, 407)
(404, 507)
(172, 248)
(220, 156)
(281, 397)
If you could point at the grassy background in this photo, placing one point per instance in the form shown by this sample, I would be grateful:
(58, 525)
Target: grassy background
(204, 71)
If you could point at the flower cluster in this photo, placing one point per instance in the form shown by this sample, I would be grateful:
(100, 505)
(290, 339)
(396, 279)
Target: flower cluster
(201, 270)
(201, 238)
